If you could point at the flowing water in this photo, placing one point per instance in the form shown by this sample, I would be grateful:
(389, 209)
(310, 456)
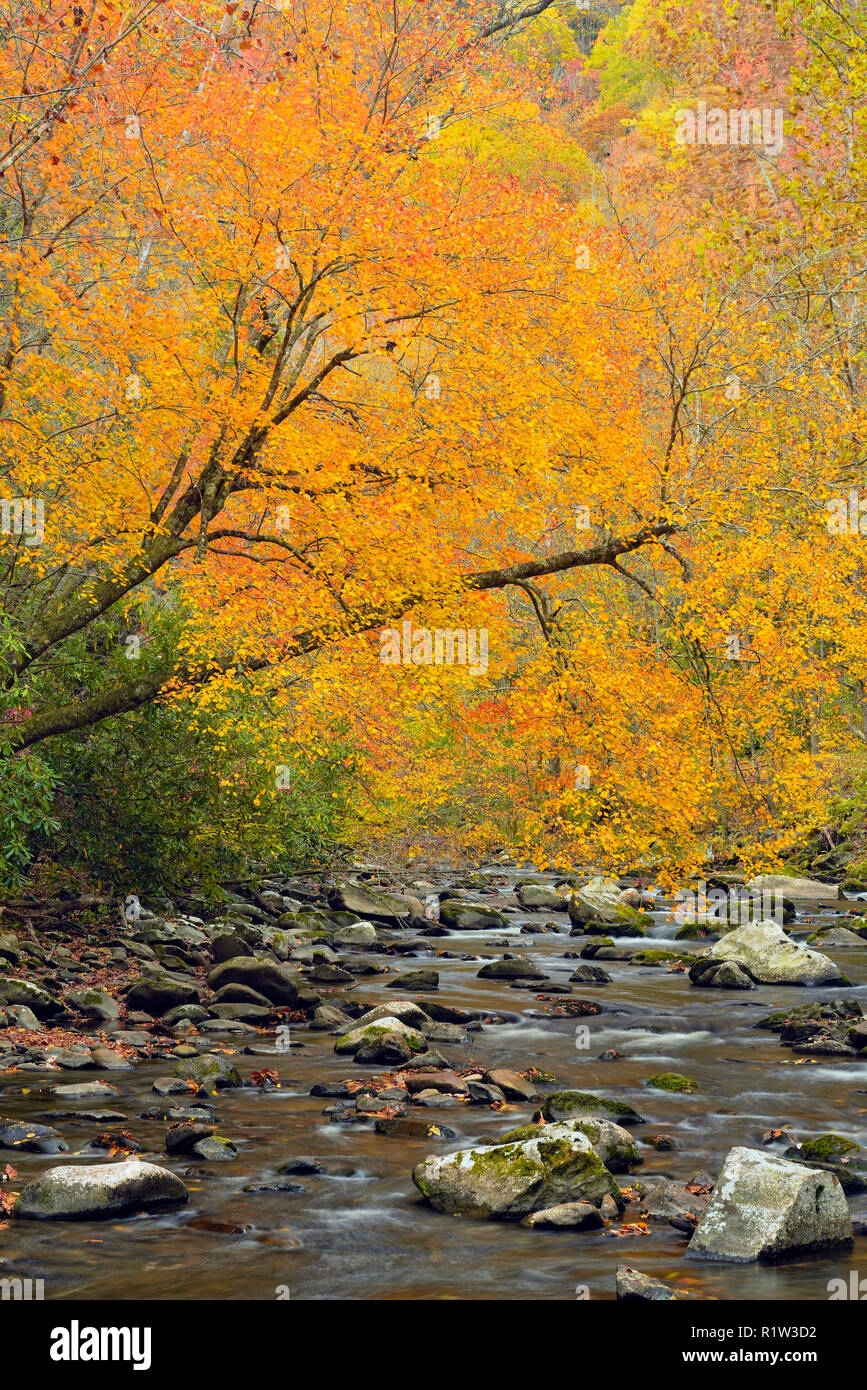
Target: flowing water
(360, 1231)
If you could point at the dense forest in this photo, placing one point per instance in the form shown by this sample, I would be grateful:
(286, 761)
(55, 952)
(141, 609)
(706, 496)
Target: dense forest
(308, 335)
(433, 443)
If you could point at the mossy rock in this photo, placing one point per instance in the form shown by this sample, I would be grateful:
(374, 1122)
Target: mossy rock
(633, 922)
(844, 1010)
(583, 1105)
(507, 1181)
(834, 1154)
(466, 916)
(672, 1081)
(357, 1038)
(694, 931)
(613, 1144)
(663, 957)
(829, 1146)
(210, 1072)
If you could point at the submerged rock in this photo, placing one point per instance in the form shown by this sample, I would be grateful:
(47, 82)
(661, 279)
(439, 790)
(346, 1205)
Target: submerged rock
(672, 1081)
(766, 1208)
(101, 1189)
(508, 1181)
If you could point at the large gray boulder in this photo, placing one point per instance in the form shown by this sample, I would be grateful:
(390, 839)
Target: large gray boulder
(507, 1181)
(387, 1024)
(15, 991)
(583, 1105)
(96, 1003)
(807, 889)
(351, 897)
(601, 903)
(769, 957)
(157, 994)
(536, 897)
(80, 1190)
(211, 1071)
(465, 916)
(404, 1009)
(613, 1144)
(267, 977)
(765, 1208)
(358, 934)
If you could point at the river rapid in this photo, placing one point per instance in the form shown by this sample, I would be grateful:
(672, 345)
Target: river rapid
(359, 1229)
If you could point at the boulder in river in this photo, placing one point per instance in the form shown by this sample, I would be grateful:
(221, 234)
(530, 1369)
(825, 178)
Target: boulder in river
(539, 898)
(807, 889)
(582, 1105)
(356, 1038)
(157, 994)
(612, 1143)
(510, 968)
(90, 1190)
(833, 1153)
(351, 897)
(96, 1003)
(15, 991)
(388, 1050)
(672, 1081)
(275, 981)
(420, 981)
(31, 1138)
(571, 1216)
(632, 1285)
(508, 1181)
(356, 934)
(768, 956)
(211, 1071)
(719, 974)
(766, 1208)
(600, 902)
(465, 916)
(404, 1009)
